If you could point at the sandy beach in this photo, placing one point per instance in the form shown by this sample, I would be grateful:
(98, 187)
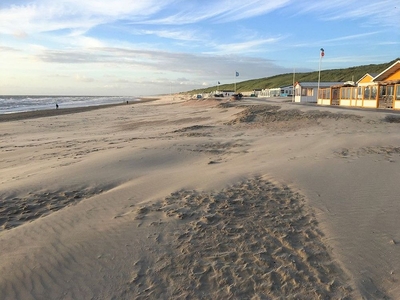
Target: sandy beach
(180, 198)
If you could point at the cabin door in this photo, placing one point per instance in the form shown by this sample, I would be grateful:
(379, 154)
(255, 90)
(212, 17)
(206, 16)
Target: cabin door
(385, 99)
(335, 96)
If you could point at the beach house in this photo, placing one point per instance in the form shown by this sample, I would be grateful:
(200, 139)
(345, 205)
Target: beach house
(371, 91)
(283, 91)
(388, 82)
(286, 91)
(272, 92)
(306, 92)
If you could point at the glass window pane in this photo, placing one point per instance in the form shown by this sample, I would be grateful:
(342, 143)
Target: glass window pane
(390, 90)
(373, 92)
(367, 93)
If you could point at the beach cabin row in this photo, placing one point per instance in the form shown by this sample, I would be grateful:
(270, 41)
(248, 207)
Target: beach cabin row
(371, 91)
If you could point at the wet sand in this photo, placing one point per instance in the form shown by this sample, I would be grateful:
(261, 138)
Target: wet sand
(62, 111)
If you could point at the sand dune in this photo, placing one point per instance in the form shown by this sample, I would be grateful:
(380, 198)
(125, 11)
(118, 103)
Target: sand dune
(195, 199)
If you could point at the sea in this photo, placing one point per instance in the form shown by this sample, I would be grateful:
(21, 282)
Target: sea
(15, 104)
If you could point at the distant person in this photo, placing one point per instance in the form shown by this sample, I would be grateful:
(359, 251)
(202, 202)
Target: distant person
(56, 105)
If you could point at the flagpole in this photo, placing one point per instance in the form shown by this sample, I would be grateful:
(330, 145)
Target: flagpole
(294, 73)
(235, 81)
(319, 70)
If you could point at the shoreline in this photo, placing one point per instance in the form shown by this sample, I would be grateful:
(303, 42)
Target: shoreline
(63, 111)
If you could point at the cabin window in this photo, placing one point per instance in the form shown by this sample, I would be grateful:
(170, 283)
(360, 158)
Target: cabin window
(397, 91)
(307, 92)
(359, 92)
(385, 90)
(390, 90)
(370, 93)
(382, 90)
(367, 93)
(373, 92)
(345, 93)
(324, 94)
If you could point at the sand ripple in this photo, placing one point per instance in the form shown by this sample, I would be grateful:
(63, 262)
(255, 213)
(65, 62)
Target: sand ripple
(255, 240)
(15, 211)
(268, 114)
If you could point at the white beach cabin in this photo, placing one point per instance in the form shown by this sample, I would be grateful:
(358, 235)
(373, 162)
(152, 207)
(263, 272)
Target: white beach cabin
(306, 92)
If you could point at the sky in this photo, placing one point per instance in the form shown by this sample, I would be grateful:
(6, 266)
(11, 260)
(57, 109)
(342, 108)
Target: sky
(150, 47)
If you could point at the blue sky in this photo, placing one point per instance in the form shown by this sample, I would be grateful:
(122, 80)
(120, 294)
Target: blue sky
(148, 47)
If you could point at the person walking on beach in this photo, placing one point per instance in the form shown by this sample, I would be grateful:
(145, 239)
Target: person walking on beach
(56, 105)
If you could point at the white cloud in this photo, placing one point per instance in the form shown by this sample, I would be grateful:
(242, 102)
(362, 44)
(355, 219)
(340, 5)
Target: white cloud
(245, 47)
(155, 60)
(353, 36)
(221, 11)
(77, 16)
(184, 35)
(46, 15)
(240, 9)
(8, 49)
(181, 79)
(85, 42)
(115, 8)
(83, 78)
(80, 16)
(376, 12)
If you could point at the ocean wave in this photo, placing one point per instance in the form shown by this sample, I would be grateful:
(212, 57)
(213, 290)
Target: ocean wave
(13, 104)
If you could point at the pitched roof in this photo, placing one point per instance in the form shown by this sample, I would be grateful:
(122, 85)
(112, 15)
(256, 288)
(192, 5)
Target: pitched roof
(372, 75)
(314, 84)
(389, 71)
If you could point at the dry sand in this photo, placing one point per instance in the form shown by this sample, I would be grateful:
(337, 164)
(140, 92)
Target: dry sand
(200, 199)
